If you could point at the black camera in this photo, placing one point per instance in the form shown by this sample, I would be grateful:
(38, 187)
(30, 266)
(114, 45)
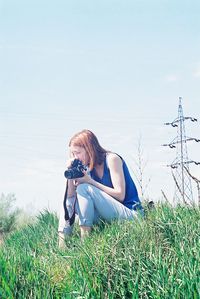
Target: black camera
(75, 170)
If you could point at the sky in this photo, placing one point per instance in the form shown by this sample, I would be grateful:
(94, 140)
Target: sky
(117, 68)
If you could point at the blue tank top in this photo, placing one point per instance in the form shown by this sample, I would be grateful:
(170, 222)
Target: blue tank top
(131, 199)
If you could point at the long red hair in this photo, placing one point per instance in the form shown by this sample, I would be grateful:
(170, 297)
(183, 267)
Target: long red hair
(89, 141)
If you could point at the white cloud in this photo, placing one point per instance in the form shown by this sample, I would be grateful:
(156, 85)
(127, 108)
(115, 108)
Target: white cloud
(196, 73)
(172, 78)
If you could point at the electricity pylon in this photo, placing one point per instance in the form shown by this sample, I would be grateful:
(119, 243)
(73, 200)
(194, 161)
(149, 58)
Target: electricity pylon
(180, 166)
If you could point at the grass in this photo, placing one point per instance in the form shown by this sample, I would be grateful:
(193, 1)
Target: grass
(157, 257)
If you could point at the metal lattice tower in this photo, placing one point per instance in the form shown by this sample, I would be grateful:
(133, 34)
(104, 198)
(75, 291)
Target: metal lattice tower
(180, 166)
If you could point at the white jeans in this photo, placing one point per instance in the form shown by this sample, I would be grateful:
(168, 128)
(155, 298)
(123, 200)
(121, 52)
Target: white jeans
(94, 204)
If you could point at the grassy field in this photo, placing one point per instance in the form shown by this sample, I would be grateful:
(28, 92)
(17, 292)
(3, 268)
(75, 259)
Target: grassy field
(157, 257)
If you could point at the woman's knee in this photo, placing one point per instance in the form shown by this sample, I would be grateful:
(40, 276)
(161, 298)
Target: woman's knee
(82, 188)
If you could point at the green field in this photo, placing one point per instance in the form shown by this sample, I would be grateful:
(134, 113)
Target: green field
(157, 257)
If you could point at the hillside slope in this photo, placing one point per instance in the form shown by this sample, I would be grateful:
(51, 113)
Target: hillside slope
(157, 257)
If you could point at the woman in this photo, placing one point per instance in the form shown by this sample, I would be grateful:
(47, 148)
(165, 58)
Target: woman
(106, 192)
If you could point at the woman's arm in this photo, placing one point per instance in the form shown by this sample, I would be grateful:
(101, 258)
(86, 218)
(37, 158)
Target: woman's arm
(71, 191)
(117, 177)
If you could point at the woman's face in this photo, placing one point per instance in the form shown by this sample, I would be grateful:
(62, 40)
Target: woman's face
(78, 152)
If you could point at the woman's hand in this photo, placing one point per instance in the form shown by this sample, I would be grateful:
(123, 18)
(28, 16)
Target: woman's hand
(85, 179)
(61, 240)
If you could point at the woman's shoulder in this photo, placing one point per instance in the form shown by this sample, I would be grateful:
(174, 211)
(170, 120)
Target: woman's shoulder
(113, 158)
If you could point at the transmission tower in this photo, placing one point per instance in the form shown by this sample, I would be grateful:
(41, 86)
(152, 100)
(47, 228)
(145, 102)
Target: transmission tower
(180, 166)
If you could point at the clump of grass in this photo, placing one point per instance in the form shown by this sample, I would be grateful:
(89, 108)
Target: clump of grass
(8, 213)
(155, 257)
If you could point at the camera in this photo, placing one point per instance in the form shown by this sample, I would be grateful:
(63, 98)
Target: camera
(75, 170)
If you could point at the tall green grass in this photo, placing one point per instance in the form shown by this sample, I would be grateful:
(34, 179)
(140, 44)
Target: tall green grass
(155, 257)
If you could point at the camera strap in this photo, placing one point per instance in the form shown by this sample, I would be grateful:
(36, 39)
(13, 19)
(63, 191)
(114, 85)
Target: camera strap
(67, 218)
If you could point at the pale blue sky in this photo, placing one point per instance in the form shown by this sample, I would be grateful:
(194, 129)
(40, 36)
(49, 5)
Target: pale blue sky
(115, 67)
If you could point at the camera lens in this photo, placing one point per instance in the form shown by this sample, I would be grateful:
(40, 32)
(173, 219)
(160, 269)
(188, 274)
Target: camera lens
(68, 174)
